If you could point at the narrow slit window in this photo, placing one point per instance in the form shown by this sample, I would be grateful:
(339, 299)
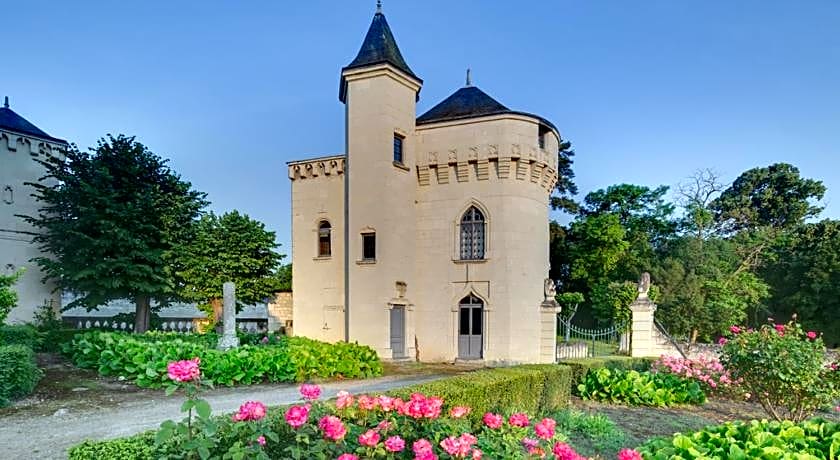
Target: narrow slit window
(324, 239)
(398, 148)
(368, 246)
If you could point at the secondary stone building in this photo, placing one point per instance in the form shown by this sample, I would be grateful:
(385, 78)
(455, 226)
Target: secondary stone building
(428, 239)
(21, 143)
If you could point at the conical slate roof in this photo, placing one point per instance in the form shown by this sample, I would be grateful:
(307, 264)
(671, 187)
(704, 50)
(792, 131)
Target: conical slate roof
(470, 102)
(11, 121)
(379, 47)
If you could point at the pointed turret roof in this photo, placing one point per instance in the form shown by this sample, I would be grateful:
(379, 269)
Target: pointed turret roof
(11, 121)
(379, 47)
(470, 102)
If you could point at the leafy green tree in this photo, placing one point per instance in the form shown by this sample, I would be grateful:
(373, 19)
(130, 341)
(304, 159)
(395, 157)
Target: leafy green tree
(804, 278)
(611, 301)
(283, 275)
(774, 196)
(109, 223)
(565, 188)
(232, 247)
(8, 296)
(596, 247)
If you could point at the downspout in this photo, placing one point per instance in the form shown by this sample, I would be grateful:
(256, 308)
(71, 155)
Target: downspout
(347, 217)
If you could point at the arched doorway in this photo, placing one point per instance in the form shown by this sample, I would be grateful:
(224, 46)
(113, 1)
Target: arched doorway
(470, 328)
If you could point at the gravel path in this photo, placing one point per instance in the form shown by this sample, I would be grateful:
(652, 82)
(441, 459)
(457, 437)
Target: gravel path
(24, 435)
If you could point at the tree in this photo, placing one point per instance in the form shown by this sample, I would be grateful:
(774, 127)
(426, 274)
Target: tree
(109, 224)
(8, 296)
(565, 188)
(804, 278)
(596, 246)
(775, 196)
(232, 247)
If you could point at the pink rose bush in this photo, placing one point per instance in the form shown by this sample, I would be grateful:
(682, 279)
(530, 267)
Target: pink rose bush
(706, 370)
(356, 427)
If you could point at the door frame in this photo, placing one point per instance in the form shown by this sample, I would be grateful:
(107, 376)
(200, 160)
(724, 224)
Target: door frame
(475, 302)
(404, 308)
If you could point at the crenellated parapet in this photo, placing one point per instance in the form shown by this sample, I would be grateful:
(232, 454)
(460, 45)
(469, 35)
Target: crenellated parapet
(316, 167)
(488, 162)
(20, 143)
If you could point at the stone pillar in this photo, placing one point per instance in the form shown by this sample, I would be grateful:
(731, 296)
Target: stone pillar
(549, 310)
(642, 341)
(229, 338)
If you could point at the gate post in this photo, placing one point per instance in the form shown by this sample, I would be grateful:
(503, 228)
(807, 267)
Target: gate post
(549, 309)
(642, 343)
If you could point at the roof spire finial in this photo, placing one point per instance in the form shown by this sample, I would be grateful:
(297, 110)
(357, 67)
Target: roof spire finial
(378, 6)
(6, 102)
(469, 77)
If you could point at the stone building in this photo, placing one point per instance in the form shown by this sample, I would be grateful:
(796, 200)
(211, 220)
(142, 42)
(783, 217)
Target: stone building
(21, 143)
(428, 239)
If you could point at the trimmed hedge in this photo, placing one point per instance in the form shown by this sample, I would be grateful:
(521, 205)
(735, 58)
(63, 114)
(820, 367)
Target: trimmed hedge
(19, 334)
(531, 388)
(19, 372)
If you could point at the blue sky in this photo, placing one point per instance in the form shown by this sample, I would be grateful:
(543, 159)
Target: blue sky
(647, 91)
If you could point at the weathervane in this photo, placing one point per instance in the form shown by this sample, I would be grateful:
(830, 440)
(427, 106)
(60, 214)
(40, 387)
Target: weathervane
(6, 102)
(378, 6)
(469, 78)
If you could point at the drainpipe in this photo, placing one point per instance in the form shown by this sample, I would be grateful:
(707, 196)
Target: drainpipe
(347, 217)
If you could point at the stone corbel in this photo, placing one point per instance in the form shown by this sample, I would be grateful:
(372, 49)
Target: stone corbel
(443, 174)
(462, 171)
(423, 175)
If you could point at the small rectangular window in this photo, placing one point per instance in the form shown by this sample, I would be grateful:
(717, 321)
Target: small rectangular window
(368, 246)
(398, 148)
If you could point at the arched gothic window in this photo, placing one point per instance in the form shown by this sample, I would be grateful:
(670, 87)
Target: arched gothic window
(324, 239)
(472, 234)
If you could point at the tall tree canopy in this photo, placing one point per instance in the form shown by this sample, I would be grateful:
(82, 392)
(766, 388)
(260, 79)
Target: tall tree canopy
(110, 222)
(774, 196)
(565, 188)
(232, 247)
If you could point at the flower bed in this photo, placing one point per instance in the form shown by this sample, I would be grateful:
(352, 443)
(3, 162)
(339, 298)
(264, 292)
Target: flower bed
(144, 359)
(421, 426)
(814, 439)
(640, 388)
(708, 371)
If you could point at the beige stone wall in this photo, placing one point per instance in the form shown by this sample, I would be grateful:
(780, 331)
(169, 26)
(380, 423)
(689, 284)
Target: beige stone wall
(494, 164)
(380, 103)
(17, 166)
(318, 282)
(280, 312)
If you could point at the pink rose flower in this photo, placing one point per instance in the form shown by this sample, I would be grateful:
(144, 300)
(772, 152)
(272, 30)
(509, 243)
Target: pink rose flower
(386, 403)
(812, 335)
(261, 440)
(264, 339)
(476, 454)
(422, 446)
(250, 411)
(530, 443)
(454, 447)
(310, 392)
(369, 438)
(343, 400)
(722, 341)
(493, 421)
(468, 439)
(459, 411)
(296, 416)
(780, 328)
(394, 444)
(184, 371)
(545, 429)
(519, 419)
(367, 403)
(564, 451)
(348, 457)
(735, 329)
(384, 426)
(629, 454)
(332, 427)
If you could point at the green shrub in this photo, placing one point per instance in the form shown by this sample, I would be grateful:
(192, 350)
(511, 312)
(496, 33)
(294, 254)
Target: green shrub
(54, 340)
(140, 447)
(782, 367)
(8, 296)
(19, 372)
(815, 439)
(640, 389)
(532, 388)
(19, 334)
(582, 366)
(143, 358)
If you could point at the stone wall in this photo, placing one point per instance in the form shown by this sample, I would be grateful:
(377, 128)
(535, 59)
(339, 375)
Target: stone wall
(280, 312)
